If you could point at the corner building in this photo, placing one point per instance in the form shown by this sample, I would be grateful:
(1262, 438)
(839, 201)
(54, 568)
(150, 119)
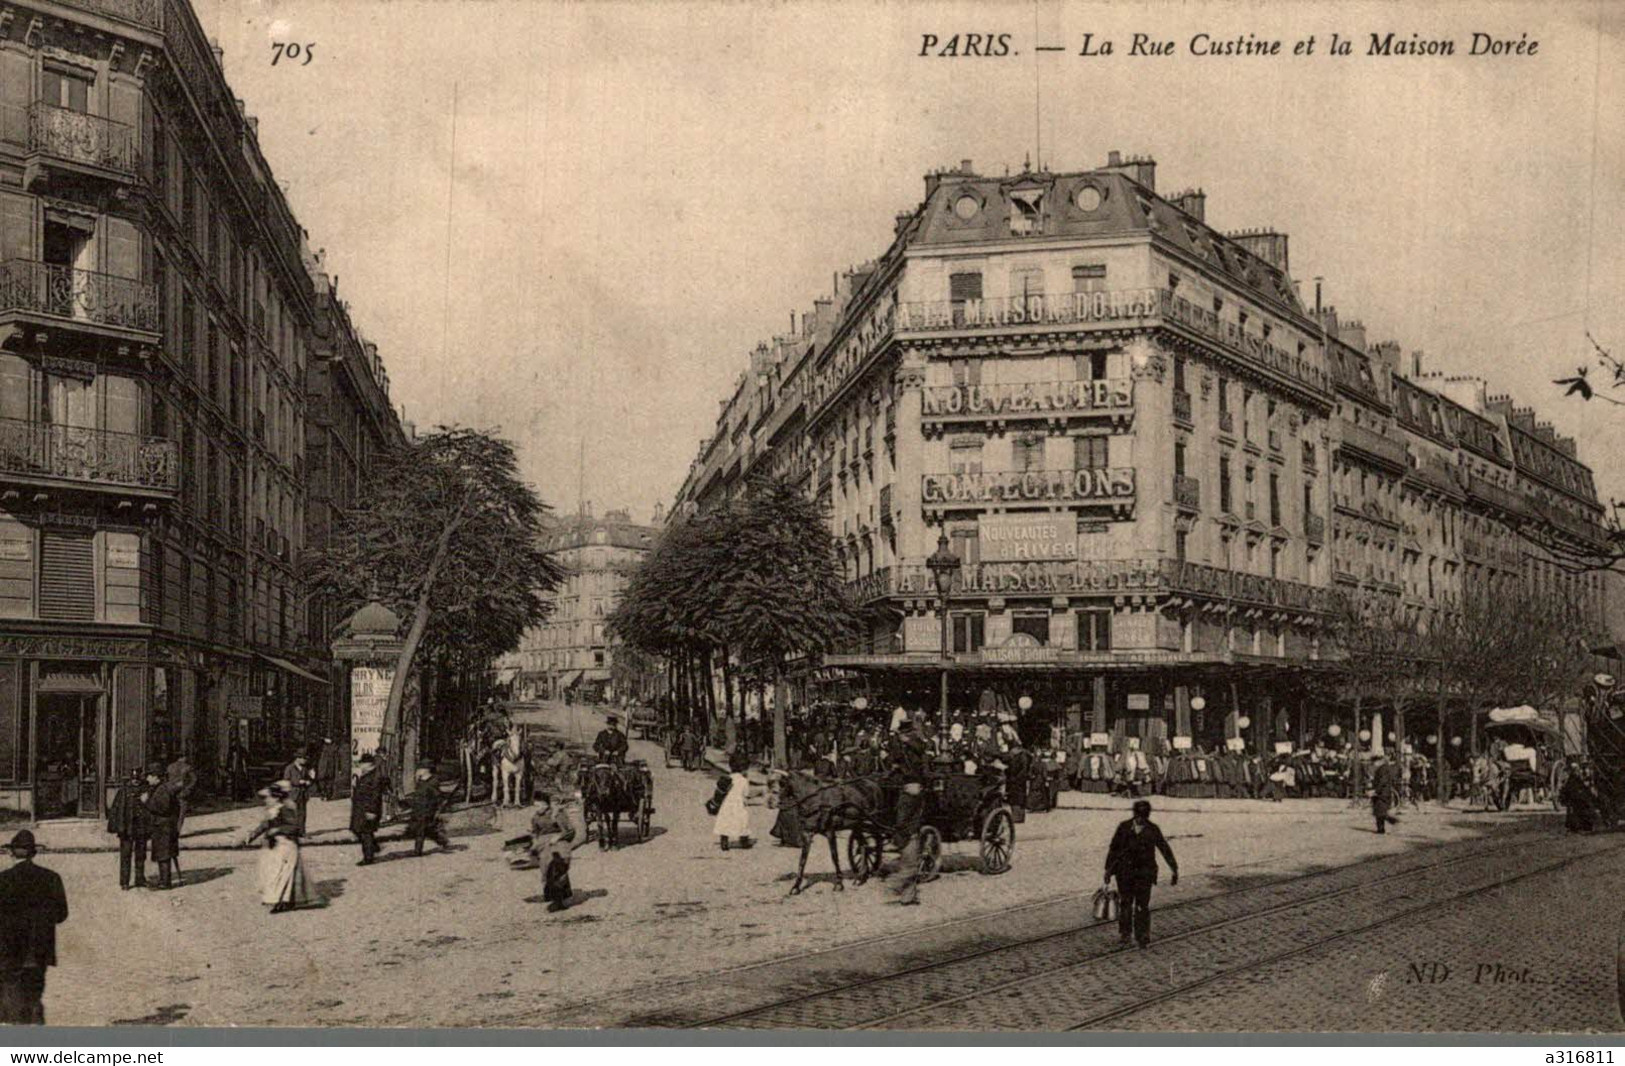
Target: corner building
(1126, 424)
(156, 320)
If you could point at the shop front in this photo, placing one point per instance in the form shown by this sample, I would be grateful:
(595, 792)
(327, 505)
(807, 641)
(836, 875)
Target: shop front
(79, 714)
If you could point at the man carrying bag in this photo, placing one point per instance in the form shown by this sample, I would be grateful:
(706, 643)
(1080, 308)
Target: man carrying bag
(1132, 859)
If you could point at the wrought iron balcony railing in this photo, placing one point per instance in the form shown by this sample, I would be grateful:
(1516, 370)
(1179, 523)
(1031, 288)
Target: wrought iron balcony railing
(1187, 492)
(97, 456)
(78, 295)
(1374, 445)
(77, 137)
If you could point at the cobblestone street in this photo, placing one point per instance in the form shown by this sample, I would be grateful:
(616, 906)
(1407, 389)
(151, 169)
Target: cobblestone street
(1258, 880)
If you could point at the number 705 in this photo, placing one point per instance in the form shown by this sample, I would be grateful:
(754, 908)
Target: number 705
(293, 51)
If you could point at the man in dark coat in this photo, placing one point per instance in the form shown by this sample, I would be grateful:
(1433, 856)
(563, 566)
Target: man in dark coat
(164, 813)
(610, 744)
(1132, 859)
(127, 820)
(1579, 802)
(1384, 785)
(327, 769)
(424, 804)
(32, 905)
(367, 808)
(909, 763)
(299, 775)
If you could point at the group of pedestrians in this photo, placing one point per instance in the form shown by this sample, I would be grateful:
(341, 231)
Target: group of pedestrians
(146, 815)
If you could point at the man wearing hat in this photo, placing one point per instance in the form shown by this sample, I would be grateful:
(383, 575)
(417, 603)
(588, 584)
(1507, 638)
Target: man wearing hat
(299, 775)
(127, 819)
(610, 744)
(1384, 785)
(164, 818)
(327, 768)
(32, 905)
(1132, 859)
(424, 803)
(367, 807)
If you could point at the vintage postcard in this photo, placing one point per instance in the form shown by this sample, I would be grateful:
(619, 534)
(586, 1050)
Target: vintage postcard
(1002, 518)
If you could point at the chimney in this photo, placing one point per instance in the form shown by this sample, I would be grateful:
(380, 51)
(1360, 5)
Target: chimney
(1191, 201)
(1267, 244)
(219, 53)
(902, 224)
(1114, 159)
(1416, 364)
(1386, 355)
(966, 169)
(1353, 334)
(1566, 446)
(1329, 323)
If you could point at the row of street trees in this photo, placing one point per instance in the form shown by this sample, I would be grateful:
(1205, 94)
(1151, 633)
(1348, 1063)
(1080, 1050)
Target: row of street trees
(743, 588)
(1505, 646)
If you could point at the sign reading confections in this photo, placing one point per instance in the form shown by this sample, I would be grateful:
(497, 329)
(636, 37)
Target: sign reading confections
(1016, 486)
(1018, 538)
(369, 695)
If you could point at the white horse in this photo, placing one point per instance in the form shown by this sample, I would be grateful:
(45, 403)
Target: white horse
(511, 764)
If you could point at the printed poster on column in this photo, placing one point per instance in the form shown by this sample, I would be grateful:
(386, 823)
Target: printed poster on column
(369, 694)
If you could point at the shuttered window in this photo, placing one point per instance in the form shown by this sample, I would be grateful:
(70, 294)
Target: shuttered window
(67, 576)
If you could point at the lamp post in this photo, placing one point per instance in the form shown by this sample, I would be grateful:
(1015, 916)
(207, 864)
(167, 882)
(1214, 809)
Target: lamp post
(942, 564)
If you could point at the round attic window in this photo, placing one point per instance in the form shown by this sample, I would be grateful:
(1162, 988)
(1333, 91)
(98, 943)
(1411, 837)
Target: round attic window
(1087, 198)
(966, 207)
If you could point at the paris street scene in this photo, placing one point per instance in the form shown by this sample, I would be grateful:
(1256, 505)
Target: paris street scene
(1049, 519)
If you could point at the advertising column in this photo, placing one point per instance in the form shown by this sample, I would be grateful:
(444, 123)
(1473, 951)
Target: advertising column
(369, 694)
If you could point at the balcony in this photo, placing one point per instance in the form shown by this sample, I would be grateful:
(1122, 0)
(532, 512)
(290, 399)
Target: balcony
(1275, 440)
(1309, 458)
(1227, 422)
(1182, 407)
(1314, 528)
(1484, 491)
(38, 452)
(1373, 446)
(871, 587)
(1187, 493)
(82, 301)
(885, 507)
(61, 140)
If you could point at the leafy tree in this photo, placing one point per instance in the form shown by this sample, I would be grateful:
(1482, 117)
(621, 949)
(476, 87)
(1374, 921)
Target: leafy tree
(754, 580)
(446, 534)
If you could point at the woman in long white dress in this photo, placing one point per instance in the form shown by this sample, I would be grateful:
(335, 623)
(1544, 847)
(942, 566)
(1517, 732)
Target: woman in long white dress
(282, 881)
(733, 819)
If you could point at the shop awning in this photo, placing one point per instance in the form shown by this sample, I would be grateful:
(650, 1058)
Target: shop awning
(569, 678)
(297, 671)
(72, 683)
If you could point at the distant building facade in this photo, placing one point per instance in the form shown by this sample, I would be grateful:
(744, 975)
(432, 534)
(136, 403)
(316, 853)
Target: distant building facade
(1153, 462)
(570, 653)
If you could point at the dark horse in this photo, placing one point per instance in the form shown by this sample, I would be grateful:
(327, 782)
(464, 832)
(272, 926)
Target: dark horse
(827, 807)
(607, 792)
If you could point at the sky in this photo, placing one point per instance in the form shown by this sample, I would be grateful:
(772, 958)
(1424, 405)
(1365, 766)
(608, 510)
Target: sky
(633, 195)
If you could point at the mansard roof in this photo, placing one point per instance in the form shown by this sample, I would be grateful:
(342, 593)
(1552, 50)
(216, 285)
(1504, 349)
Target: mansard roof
(968, 209)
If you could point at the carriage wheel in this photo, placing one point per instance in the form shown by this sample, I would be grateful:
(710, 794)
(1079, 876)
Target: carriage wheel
(998, 841)
(643, 817)
(930, 851)
(863, 854)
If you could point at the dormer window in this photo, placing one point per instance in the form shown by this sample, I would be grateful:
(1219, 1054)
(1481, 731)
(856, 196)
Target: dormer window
(1026, 215)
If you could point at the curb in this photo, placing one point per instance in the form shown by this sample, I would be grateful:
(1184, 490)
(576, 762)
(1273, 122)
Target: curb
(332, 838)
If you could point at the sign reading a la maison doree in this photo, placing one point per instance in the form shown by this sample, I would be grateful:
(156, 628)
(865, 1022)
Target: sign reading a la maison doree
(1023, 538)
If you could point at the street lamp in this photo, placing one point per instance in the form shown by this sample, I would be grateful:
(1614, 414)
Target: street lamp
(942, 564)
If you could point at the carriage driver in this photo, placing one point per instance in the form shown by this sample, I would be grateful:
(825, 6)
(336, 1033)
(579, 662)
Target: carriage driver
(610, 744)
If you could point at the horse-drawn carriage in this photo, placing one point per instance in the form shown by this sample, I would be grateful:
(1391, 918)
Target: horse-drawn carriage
(610, 791)
(643, 723)
(957, 807)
